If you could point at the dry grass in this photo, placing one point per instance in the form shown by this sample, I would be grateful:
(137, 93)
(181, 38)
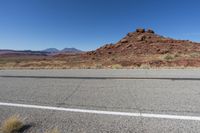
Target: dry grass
(145, 66)
(116, 66)
(12, 124)
(98, 66)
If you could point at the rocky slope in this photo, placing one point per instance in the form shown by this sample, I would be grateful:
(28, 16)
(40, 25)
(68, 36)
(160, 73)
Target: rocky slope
(142, 47)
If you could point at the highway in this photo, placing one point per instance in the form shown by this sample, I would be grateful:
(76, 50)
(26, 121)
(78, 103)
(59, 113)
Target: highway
(103, 101)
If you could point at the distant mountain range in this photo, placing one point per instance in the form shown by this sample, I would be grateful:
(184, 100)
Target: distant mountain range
(51, 50)
(65, 50)
(48, 51)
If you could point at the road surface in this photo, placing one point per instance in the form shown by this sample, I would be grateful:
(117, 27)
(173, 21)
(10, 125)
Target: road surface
(103, 101)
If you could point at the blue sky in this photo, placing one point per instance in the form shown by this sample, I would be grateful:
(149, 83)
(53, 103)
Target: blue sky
(88, 24)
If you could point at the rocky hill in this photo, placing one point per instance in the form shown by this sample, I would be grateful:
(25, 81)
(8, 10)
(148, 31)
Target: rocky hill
(145, 47)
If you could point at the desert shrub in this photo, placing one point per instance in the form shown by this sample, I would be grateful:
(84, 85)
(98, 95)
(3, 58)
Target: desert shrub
(12, 124)
(194, 55)
(169, 57)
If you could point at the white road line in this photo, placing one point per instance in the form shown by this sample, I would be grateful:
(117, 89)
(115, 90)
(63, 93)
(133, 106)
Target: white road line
(145, 115)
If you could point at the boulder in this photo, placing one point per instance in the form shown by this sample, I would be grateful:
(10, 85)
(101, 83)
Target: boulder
(141, 38)
(130, 34)
(150, 31)
(124, 41)
(140, 30)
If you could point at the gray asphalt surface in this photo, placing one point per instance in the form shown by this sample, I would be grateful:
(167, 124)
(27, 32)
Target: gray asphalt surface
(169, 92)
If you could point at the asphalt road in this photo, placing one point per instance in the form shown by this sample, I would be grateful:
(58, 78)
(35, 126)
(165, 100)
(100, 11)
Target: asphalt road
(108, 97)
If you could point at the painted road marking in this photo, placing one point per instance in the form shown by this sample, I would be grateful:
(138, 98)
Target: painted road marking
(145, 115)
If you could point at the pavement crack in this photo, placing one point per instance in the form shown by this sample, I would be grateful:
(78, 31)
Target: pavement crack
(75, 90)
